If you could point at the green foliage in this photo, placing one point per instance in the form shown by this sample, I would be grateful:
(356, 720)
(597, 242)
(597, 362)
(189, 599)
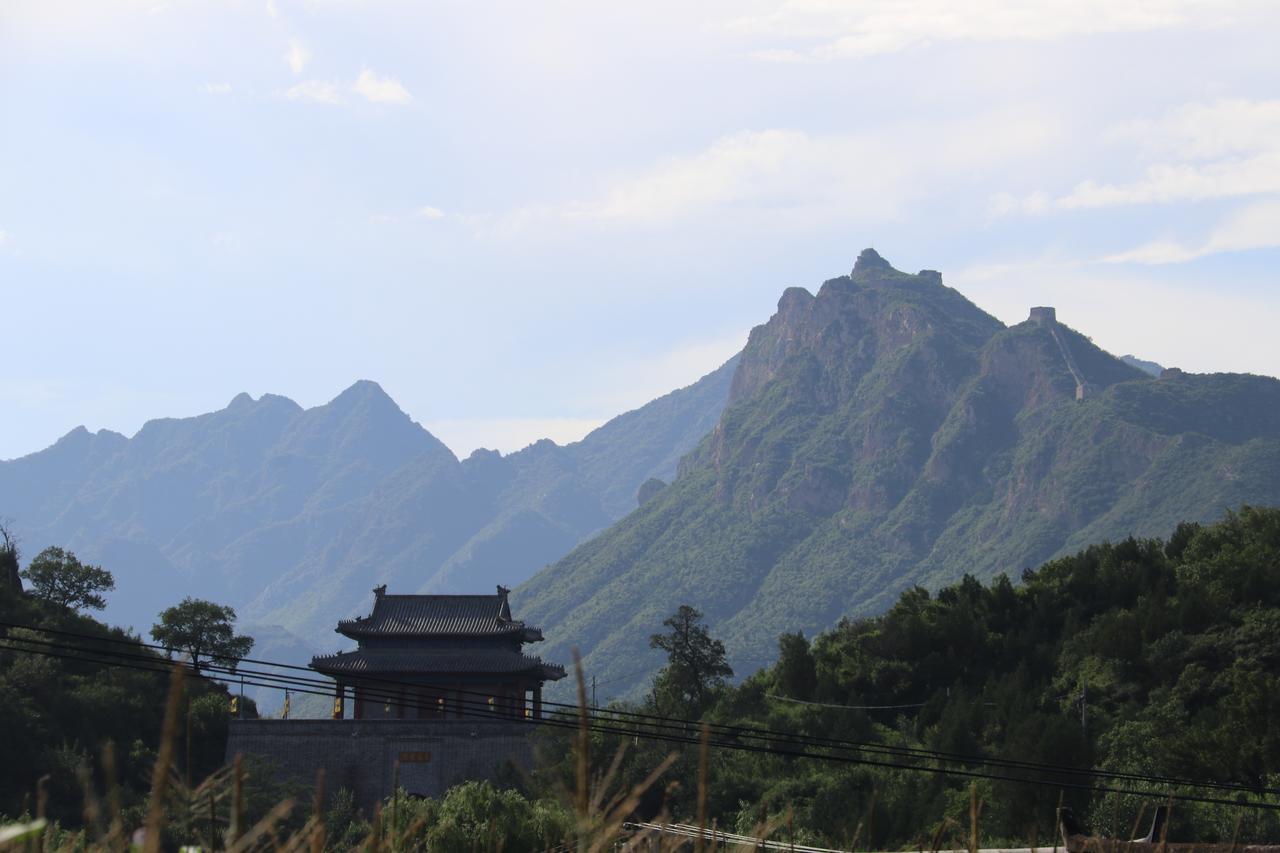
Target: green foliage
(62, 715)
(10, 576)
(886, 433)
(796, 672)
(202, 629)
(470, 816)
(1143, 656)
(62, 580)
(696, 667)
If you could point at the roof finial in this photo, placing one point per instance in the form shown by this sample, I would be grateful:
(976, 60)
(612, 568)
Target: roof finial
(504, 609)
(379, 591)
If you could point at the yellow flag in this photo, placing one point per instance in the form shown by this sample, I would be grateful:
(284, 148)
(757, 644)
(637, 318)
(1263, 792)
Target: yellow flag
(337, 707)
(235, 706)
(285, 715)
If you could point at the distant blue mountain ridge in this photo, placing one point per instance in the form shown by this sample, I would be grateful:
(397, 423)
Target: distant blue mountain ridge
(292, 515)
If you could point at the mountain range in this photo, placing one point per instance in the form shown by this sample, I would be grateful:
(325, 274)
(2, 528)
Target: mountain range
(292, 515)
(879, 433)
(885, 432)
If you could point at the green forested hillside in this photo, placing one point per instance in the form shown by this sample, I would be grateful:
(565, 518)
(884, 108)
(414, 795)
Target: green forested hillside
(59, 714)
(885, 432)
(1148, 656)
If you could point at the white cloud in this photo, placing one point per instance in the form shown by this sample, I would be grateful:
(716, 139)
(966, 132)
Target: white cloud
(1229, 126)
(822, 30)
(1007, 204)
(217, 88)
(297, 56)
(381, 90)
(227, 242)
(804, 179)
(1170, 182)
(316, 91)
(272, 11)
(1256, 226)
(6, 241)
(1224, 149)
(429, 213)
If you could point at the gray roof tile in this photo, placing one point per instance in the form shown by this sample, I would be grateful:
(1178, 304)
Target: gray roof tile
(438, 615)
(487, 661)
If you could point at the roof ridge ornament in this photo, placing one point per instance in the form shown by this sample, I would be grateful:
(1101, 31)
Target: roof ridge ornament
(504, 609)
(379, 591)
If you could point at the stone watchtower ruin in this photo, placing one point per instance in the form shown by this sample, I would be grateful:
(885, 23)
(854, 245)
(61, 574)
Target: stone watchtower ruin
(1043, 316)
(1046, 317)
(438, 691)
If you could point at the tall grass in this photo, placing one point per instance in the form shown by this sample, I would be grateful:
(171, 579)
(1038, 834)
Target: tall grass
(212, 814)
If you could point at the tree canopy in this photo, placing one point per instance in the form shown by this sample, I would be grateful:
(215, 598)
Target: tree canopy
(696, 665)
(59, 577)
(202, 629)
(10, 577)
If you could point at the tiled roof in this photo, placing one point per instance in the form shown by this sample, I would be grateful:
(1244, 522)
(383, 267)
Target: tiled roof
(438, 615)
(487, 661)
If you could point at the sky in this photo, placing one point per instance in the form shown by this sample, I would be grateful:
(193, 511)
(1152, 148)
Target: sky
(522, 219)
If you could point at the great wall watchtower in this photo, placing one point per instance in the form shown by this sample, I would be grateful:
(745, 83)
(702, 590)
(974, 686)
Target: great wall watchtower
(1046, 317)
(1043, 316)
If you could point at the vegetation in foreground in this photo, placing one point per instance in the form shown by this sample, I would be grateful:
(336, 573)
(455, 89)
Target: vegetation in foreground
(1146, 656)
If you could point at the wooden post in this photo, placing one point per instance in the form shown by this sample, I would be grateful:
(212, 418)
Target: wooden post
(537, 702)
(339, 700)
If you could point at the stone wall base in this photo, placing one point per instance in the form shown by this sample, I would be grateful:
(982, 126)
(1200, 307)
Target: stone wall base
(361, 755)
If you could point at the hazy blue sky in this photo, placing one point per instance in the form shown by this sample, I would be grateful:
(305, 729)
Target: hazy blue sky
(523, 218)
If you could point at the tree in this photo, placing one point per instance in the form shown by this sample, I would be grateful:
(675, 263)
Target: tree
(9, 575)
(202, 629)
(796, 671)
(696, 665)
(57, 576)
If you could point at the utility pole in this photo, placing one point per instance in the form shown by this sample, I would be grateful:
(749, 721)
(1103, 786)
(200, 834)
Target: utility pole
(593, 691)
(1084, 706)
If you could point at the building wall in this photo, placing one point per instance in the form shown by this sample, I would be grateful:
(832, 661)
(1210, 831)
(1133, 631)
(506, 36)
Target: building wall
(361, 755)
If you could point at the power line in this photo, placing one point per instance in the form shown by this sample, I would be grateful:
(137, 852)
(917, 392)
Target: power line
(684, 726)
(651, 727)
(845, 707)
(568, 722)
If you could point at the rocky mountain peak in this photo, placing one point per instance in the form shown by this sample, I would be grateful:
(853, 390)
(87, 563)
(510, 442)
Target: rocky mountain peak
(240, 401)
(364, 392)
(869, 260)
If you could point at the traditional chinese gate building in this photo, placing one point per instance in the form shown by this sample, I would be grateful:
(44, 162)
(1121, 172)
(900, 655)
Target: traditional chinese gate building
(437, 691)
(437, 657)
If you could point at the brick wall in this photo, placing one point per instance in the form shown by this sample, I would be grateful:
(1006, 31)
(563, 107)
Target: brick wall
(361, 755)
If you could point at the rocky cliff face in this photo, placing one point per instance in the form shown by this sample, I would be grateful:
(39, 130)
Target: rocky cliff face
(884, 432)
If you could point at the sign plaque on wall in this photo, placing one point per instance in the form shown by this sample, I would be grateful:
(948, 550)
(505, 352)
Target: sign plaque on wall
(419, 757)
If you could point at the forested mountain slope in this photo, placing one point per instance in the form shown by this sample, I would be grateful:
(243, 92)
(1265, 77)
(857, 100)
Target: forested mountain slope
(886, 432)
(1155, 657)
(292, 515)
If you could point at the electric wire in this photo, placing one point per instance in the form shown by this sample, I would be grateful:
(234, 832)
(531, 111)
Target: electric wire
(566, 722)
(674, 731)
(368, 684)
(684, 726)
